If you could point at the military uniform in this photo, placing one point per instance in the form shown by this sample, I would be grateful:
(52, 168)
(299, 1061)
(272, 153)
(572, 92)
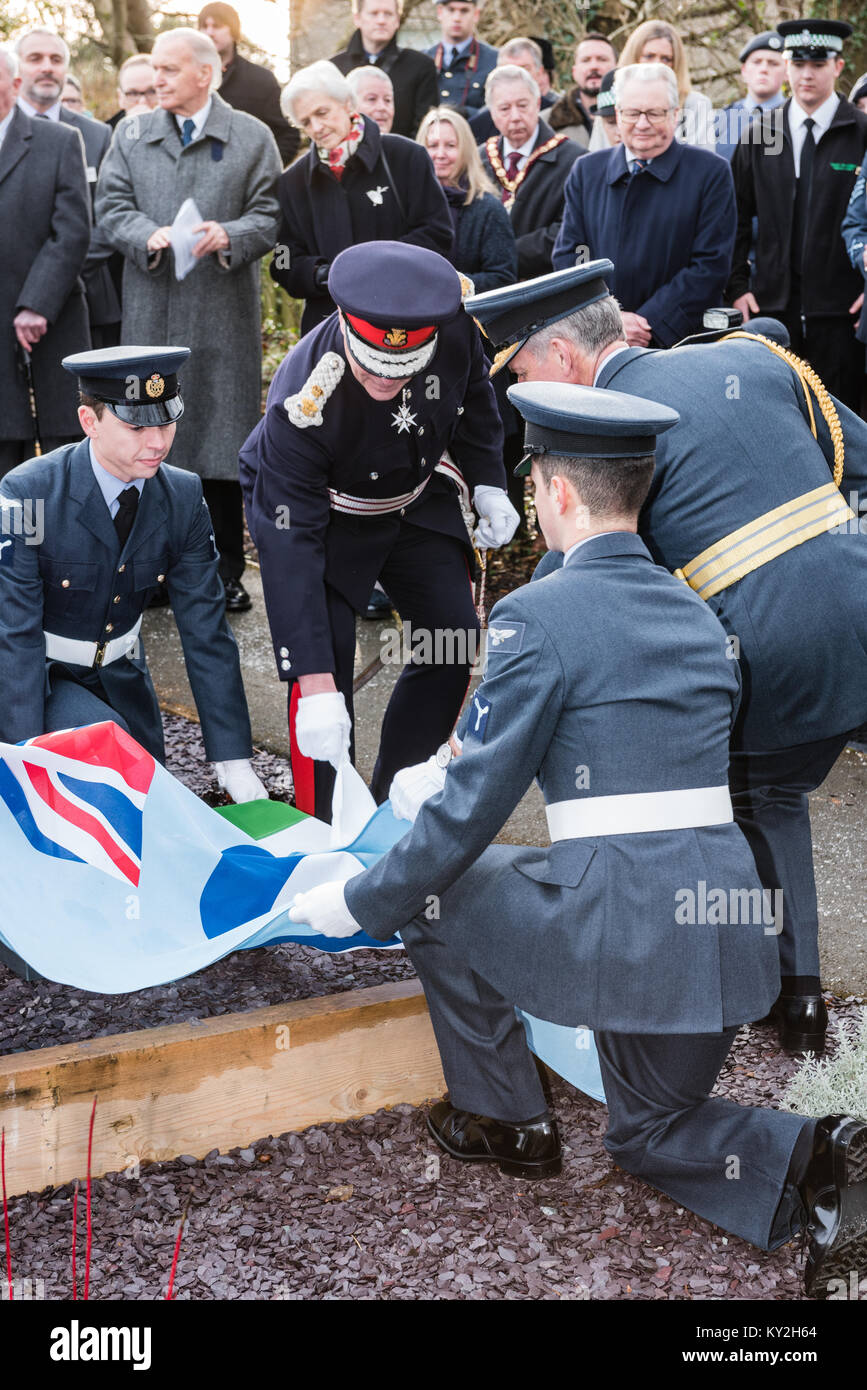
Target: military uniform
(72, 592)
(342, 490)
(798, 623)
(610, 683)
(462, 80)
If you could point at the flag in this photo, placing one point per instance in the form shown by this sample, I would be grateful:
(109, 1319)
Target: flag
(117, 877)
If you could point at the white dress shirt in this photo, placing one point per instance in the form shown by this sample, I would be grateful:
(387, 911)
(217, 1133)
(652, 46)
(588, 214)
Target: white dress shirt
(4, 125)
(198, 120)
(606, 360)
(53, 112)
(822, 116)
(524, 150)
(578, 544)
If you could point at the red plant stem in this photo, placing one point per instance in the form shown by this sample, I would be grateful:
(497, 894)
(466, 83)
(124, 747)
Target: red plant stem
(6, 1213)
(74, 1229)
(89, 1229)
(169, 1295)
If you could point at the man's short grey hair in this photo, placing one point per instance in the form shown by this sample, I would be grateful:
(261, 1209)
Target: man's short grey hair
(509, 73)
(203, 49)
(11, 62)
(367, 70)
(45, 34)
(591, 329)
(646, 72)
(74, 82)
(318, 77)
(515, 47)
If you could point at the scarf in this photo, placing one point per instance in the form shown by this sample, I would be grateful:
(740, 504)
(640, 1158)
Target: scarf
(336, 159)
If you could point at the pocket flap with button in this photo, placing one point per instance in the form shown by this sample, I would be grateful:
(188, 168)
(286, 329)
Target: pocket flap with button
(69, 574)
(565, 863)
(147, 574)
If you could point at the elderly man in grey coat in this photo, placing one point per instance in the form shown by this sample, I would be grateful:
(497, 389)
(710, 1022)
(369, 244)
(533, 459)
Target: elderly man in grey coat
(194, 145)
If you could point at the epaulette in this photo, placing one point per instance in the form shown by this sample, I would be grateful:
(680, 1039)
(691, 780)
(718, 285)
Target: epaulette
(305, 407)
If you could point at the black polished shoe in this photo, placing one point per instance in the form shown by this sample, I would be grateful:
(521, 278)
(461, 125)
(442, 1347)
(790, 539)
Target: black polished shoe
(834, 1192)
(237, 598)
(529, 1150)
(802, 1020)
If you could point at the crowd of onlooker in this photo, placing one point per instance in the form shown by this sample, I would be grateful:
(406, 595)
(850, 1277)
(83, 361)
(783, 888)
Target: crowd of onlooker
(478, 153)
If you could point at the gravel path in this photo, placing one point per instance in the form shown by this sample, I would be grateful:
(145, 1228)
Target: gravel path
(370, 1209)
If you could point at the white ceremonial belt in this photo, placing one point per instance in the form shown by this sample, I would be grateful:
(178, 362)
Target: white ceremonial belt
(381, 506)
(77, 653)
(639, 812)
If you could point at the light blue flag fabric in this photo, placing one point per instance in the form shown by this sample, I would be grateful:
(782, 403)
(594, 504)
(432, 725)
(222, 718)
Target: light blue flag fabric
(117, 878)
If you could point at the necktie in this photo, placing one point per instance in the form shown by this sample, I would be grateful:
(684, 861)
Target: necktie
(125, 515)
(802, 197)
(514, 159)
(187, 132)
(637, 166)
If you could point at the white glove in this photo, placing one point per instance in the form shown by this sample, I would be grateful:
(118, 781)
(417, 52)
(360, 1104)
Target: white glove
(324, 909)
(412, 786)
(240, 781)
(498, 520)
(322, 727)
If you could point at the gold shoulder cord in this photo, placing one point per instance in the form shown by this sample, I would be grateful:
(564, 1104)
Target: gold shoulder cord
(807, 377)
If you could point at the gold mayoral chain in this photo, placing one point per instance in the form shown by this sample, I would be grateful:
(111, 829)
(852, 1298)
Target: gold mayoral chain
(512, 185)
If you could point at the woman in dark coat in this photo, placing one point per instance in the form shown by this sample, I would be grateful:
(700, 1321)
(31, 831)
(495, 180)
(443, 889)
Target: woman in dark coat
(353, 185)
(484, 248)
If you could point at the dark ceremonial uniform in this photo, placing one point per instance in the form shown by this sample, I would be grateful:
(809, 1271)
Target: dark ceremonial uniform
(72, 593)
(322, 431)
(743, 448)
(605, 668)
(462, 80)
(802, 274)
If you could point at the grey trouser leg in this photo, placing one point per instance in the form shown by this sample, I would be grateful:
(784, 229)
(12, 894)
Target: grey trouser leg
(488, 1066)
(725, 1162)
(769, 797)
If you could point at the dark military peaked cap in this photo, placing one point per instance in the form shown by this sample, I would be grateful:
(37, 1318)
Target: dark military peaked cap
(511, 315)
(813, 39)
(138, 384)
(605, 101)
(393, 297)
(586, 420)
(770, 39)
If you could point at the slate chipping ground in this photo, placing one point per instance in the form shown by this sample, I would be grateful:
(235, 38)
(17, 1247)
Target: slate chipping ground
(370, 1209)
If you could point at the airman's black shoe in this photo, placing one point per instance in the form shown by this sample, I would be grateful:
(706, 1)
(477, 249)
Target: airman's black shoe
(527, 1150)
(802, 1020)
(834, 1193)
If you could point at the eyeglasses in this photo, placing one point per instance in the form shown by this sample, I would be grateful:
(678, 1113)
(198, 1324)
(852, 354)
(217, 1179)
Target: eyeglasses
(148, 92)
(656, 116)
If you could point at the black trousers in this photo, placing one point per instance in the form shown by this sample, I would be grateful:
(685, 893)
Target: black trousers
(223, 496)
(726, 1162)
(769, 796)
(426, 577)
(832, 350)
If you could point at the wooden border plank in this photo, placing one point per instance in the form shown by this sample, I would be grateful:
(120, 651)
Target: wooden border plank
(214, 1084)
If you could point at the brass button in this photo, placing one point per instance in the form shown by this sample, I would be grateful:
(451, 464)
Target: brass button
(373, 477)
(64, 583)
(420, 429)
(161, 579)
(109, 627)
(121, 569)
(116, 598)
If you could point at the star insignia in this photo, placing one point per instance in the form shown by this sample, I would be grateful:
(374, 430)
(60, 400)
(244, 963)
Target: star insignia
(403, 419)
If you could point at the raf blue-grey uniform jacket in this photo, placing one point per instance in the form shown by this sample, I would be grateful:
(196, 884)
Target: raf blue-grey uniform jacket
(743, 447)
(77, 583)
(358, 448)
(605, 678)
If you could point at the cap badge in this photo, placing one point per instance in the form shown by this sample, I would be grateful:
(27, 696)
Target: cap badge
(395, 337)
(155, 386)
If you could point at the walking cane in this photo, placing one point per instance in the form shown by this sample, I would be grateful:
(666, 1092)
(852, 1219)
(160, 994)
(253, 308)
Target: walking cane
(26, 366)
